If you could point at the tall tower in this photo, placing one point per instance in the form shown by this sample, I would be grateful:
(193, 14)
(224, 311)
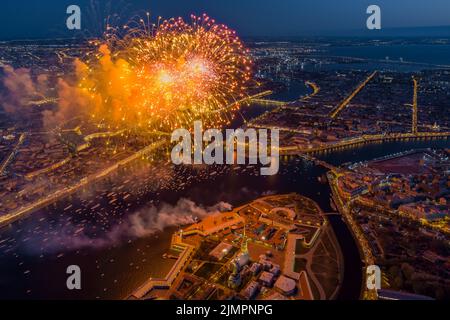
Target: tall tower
(244, 246)
(414, 115)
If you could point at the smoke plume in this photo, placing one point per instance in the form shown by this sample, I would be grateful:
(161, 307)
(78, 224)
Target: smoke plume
(139, 224)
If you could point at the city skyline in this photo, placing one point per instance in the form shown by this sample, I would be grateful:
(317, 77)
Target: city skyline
(45, 19)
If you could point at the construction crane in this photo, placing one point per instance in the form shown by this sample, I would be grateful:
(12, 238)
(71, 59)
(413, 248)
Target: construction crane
(414, 105)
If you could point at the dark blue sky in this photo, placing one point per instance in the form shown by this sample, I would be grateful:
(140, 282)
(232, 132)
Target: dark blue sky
(46, 18)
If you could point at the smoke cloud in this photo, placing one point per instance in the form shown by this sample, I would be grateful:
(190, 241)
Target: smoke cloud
(148, 221)
(70, 104)
(20, 88)
(139, 224)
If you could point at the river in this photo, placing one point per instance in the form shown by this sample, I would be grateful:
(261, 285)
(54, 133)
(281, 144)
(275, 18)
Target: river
(35, 252)
(112, 270)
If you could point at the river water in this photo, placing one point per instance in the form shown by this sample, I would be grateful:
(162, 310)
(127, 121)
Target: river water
(31, 269)
(35, 252)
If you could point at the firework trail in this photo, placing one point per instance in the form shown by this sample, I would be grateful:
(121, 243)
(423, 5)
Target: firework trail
(158, 77)
(99, 14)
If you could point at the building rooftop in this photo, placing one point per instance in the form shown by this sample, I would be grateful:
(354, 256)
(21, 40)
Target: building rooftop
(221, 250)
(285, 284)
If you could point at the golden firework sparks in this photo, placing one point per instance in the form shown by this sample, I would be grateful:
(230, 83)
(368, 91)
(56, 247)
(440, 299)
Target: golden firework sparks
(166, 76)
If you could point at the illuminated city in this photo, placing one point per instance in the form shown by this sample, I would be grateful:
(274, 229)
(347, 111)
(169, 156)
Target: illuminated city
(86, 176)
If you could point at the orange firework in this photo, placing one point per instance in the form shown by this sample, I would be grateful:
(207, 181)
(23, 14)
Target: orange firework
(165, 76)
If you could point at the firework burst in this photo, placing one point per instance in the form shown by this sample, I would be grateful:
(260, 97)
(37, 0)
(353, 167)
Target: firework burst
(165, 76)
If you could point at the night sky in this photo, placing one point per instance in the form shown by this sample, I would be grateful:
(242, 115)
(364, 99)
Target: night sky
(46, 18)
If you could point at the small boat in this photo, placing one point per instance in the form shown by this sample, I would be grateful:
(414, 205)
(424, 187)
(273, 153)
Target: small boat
(169, 256)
